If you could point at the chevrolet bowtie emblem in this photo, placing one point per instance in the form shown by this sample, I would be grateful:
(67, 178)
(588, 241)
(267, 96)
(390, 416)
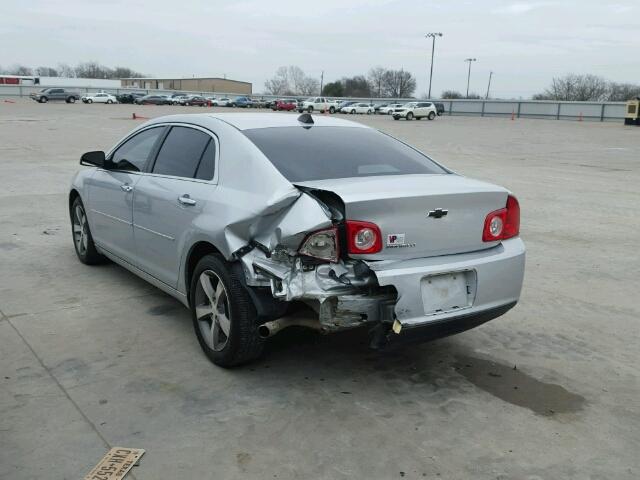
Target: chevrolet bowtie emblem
(437, 213)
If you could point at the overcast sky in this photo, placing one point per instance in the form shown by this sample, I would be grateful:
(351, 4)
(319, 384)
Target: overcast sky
(525, 43)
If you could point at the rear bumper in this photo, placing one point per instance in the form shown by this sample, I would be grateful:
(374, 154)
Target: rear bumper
(495, 274)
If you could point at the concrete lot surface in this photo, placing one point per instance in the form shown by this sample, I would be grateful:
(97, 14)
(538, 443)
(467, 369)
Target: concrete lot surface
(93, 357)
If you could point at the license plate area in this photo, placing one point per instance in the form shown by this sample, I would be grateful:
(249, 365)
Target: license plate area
(448, 292)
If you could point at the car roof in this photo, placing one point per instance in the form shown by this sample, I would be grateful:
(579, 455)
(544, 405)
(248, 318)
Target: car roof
(248, 121)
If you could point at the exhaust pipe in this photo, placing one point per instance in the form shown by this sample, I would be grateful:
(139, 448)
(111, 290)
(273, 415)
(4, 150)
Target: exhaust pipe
(269, 329)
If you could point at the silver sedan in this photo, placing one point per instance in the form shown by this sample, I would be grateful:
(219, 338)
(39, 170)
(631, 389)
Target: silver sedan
(257, 222)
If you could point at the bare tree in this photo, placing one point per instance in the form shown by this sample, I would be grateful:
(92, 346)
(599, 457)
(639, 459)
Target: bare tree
(451, 94)
(621, 92)
(20, 70)
(46, 72)
(292, 80)
(398, 84)
(66, 71)
(578, 88)
(376, 78)
(279, 83)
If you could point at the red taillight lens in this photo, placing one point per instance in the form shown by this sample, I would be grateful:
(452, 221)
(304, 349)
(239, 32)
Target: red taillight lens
(363, 237)
(504, 223)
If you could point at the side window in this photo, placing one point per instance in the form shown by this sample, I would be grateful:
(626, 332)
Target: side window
(181, 152)
(133, 154)
(207, 165)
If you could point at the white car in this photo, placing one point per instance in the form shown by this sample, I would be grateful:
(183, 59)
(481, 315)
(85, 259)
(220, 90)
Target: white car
(317, 104)
(99, 98)
(221, 102)
(388, 110)
(415, 110)
(358, 108)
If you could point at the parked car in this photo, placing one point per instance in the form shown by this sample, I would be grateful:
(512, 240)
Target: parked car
(259, 103)
(221, 102)
(343, 104)
(197, 100)
(317, 104)
(55, 94)
(287, 104)
(388, 110)
(305, 211)
(358, 108)
(129, 97)
(99, 98)
(241, 102)
(439, 108)
(153, 100)
(378, 106)
(415, 110)
(174, 98)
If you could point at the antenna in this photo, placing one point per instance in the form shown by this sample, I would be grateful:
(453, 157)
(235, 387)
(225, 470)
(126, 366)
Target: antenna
(306, 118)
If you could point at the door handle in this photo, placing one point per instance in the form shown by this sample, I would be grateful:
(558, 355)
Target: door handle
(126, 187)
(186, 200)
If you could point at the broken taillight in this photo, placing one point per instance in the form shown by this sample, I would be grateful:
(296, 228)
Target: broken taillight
(322, 245)
(504, 223)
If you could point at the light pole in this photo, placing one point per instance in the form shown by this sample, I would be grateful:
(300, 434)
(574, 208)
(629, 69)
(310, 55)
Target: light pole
(433, 36)
(489, 85)
(469, 74)
(321, 81)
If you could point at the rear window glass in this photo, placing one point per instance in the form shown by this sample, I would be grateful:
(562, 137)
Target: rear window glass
(320, 153)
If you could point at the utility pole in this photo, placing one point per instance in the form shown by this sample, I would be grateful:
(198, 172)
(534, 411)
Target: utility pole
(489, 86)
(469, 74)
(433, 36)
(321, 81)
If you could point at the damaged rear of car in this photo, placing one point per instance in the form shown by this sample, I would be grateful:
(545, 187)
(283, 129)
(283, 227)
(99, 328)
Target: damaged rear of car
(317, 222)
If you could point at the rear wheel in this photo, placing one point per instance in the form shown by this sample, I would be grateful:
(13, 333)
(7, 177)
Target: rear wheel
(353, 112)
(431, 115)
(224, 316)
(368, 112)
(310, 109)
(109, 102)
(82, 239)
(332, 110)
(410, 116)
(71, 100)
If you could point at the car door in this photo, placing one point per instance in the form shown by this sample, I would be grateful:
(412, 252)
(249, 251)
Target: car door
(169, 198)
(100, 98)
(110, 193)
(57, 94)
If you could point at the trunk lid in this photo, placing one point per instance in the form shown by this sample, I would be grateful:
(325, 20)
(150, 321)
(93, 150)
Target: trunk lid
(401, 204)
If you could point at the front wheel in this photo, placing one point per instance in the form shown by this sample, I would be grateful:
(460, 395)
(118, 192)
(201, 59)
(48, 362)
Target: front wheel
(431, 115)
(410, 116)
(44, 99)
(368, 112)
(224, 316)
(89, 100)
(82, 239)
(71, 100)
(310, 109)
(332, 110)
(109, 102)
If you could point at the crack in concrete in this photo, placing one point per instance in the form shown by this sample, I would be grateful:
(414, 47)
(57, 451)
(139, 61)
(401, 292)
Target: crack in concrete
(59, 385)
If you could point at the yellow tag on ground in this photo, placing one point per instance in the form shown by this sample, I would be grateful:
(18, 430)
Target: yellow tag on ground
(115, 464)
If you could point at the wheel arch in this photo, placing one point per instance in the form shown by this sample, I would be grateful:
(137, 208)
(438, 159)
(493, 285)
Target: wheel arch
(197, 251)
(73, 194)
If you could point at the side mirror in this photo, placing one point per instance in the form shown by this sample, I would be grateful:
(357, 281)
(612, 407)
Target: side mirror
(94, 159)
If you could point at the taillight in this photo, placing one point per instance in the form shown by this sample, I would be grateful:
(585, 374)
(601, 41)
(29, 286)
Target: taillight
(504, 223)
(322, 244)
(363, 237)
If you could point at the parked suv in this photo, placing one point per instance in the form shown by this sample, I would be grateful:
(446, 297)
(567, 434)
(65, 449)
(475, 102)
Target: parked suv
(242, 102)
(415, 110)
(55, 94)
(319, 104)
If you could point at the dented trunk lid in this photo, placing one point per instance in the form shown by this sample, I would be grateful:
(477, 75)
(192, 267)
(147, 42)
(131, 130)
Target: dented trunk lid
(400, 206)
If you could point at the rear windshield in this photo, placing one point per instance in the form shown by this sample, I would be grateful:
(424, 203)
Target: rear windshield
(320, 153)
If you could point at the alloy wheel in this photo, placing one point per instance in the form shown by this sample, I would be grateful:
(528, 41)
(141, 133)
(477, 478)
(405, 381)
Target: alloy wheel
(212, 310)
(80, 230)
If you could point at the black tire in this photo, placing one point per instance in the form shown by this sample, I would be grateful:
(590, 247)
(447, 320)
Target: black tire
(409, 115)
(43, 100)
(353, 112)
(89, 255)
(368, 112)
(332, 110)
(89, 100)
(243, 343)
(310, 109)
(71, 100)
(109, 101)
(395, 117)
(431, 115)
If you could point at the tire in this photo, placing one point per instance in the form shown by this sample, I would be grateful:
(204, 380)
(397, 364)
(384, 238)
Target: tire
(409, 115)
(109, 102)
(81, 235)
(390, 112)
(43, 100)
(241, 343)
(368, 112)
(89, 100)
(431, 116)
(332, 110)
(310, 109)
(353, 112)
(395, 117)
(71, 100)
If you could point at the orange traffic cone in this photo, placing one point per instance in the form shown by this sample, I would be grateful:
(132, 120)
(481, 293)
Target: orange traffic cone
(513, 114)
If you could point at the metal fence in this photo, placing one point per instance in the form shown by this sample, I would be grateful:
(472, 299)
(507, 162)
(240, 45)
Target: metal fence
(594, 111)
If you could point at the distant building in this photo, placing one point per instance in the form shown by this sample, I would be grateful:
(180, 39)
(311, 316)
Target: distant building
(213, 85)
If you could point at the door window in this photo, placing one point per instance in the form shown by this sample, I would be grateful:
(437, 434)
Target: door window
(134, 153)
(206, 169)
(181, 152)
